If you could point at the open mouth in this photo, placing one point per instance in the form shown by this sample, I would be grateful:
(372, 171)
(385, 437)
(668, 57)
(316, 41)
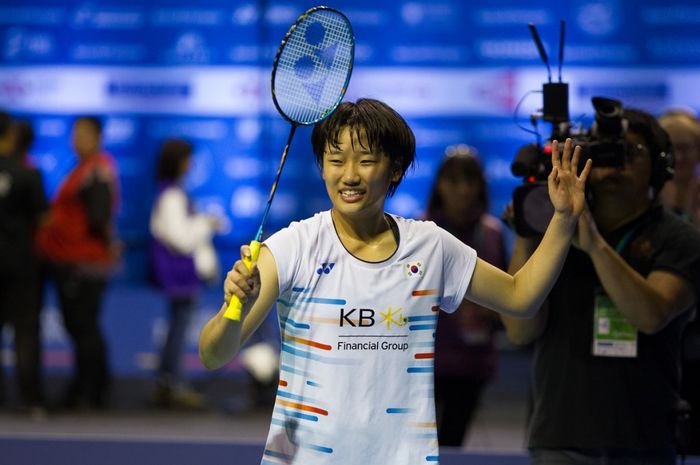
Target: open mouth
(351, 195)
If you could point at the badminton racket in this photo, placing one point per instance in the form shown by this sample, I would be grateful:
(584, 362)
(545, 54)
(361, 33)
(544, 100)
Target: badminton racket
(310, 75)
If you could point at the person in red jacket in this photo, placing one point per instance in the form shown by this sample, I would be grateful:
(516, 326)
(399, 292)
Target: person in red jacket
(78, 243)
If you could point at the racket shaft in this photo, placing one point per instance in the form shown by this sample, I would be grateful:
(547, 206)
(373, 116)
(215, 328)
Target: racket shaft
(273, 190)
(233, 311)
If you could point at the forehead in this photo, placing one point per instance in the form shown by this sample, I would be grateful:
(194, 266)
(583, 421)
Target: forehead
(83, 126)
(349, 137)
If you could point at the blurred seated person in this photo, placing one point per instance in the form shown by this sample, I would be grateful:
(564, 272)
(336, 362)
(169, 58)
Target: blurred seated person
(465, 354)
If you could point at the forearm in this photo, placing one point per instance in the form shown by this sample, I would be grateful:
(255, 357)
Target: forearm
(631, 293)
(521, 331)
(219, 340)
(532, 283)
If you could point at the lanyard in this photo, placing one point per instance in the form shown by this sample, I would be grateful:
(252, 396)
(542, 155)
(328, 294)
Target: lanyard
(625, 240)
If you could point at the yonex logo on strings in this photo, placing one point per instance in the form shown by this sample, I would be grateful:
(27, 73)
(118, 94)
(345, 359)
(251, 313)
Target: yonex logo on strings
(325, 268)
(305, 66)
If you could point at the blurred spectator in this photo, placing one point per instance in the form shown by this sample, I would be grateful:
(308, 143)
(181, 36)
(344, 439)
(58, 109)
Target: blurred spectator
(179, 237)
(22, 202)
(24, 139)
(465, 355)
(682, 195)
(79, 245)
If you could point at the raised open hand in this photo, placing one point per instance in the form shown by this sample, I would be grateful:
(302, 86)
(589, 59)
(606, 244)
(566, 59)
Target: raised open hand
(566, 187)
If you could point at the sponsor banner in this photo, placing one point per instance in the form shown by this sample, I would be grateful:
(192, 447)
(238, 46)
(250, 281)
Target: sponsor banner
(244, 91)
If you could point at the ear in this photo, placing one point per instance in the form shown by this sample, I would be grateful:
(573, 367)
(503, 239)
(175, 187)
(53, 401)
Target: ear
(397, 173)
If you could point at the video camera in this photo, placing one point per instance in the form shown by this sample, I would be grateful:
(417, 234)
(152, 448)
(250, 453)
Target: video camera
(604, 143)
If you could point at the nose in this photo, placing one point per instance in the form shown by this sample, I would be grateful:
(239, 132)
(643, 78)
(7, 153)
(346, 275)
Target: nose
(350, 174)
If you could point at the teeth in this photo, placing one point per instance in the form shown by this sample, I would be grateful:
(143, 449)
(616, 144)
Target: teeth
(350, 192)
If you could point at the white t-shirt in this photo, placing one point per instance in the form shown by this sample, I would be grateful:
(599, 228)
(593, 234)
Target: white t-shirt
(356, 368)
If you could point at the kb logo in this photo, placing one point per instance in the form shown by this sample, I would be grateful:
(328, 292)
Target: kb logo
(365, 317)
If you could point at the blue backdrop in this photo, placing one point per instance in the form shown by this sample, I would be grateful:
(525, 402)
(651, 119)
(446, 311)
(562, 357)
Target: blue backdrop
(200, 70)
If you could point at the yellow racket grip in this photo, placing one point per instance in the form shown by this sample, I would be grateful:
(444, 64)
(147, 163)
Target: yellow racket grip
(233, 311)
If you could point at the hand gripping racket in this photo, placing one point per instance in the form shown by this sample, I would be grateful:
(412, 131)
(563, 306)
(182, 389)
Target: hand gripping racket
(310, 74)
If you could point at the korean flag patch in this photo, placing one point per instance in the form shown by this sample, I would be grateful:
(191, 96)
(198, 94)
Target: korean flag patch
(414, 269)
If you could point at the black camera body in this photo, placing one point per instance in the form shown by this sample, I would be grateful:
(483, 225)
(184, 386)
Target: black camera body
(604, 143)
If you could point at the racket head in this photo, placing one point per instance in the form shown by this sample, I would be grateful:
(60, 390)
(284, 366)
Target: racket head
(313, 65)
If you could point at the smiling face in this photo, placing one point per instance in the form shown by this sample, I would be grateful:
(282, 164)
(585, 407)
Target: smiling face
(357, 179)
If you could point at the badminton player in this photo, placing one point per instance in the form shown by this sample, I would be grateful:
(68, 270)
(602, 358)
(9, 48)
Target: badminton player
(358, 291)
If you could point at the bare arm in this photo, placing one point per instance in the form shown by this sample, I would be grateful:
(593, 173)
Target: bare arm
(522, 294)
(221, 338)
(650, 303)
(523, 331)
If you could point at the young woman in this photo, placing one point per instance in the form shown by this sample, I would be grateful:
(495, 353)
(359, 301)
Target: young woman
(465, 340)
(178, 232)
(358, 292)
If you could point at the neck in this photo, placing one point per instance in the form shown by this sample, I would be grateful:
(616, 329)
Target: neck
(369, 239)
(364, 228)
(463, 219)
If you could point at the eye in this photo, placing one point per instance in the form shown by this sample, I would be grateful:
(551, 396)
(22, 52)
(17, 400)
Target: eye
(368, 161)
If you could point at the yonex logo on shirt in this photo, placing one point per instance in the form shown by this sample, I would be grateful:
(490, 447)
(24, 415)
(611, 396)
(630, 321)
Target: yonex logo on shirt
(325, 268)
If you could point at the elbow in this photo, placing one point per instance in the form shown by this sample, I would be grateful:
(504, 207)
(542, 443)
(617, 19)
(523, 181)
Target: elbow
(209, 361)
(208, 355)
(519, 338)
(524, 311)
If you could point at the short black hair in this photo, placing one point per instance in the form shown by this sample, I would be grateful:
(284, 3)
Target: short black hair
(384, 129)
(172, 153)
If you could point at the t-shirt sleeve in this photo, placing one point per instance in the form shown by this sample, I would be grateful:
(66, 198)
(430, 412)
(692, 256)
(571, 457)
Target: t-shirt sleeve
(459, 261)
(284, 246)
(681, 256)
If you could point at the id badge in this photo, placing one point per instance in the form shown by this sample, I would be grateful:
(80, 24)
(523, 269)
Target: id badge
(613, 335)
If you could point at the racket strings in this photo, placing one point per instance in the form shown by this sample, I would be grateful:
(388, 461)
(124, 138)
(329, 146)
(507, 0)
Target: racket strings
(311, 77)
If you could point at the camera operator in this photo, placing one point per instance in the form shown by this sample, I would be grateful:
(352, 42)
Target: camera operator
(606, 345)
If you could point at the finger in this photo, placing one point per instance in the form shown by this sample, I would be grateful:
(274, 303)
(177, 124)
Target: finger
(586, 171)
(553, 177)
(245, 251)
(575, 159)
(555, 154)
(241, 270)
(566, 156)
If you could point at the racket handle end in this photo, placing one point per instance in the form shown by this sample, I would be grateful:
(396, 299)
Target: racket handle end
(233, 311)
